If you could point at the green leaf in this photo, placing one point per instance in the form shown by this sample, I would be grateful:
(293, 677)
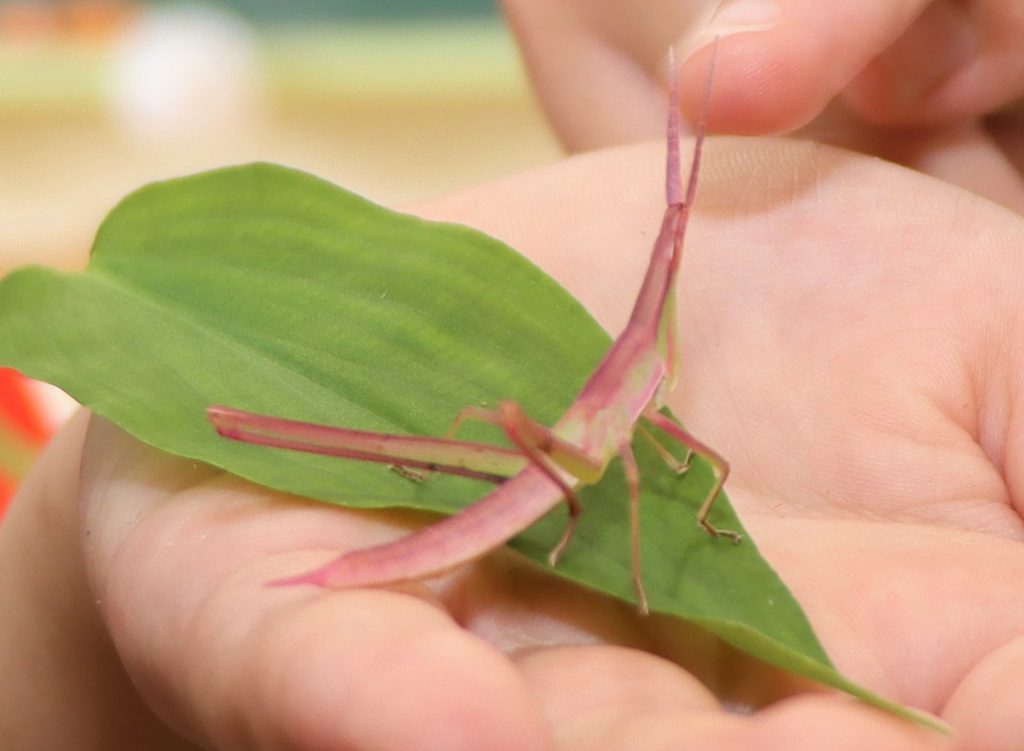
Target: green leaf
(270, 290)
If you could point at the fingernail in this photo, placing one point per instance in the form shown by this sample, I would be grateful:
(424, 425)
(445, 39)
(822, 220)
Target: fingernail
(726, 18)
(732, 16)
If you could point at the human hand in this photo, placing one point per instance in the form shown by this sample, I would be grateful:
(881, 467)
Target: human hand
(913, 81)
(848, 342)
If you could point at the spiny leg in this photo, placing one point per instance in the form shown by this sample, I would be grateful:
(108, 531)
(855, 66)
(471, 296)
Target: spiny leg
(475, 414)
(632, 473)
(718, 464)
(479, 461)
(550, 453)
(417, 476)
(545, 450)
(536, 457)
(467, 413)
(679, 467)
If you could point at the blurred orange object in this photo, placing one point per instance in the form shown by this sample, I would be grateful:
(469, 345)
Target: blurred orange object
(23, 431)
(33, 21)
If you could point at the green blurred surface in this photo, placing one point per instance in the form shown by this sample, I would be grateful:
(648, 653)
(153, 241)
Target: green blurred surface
(323, 63)
(335, 10)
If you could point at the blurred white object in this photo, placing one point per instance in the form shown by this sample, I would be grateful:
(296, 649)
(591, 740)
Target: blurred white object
(185, 73)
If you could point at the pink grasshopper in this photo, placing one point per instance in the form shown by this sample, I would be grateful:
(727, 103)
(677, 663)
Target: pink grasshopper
(547, 464)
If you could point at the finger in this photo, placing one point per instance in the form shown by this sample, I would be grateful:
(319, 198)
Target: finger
(957, 61)
(981, 159)
(968, 156)
(596, 66)
(605, 698)
(179, 557)
(1007, 130)
(64, 684)
(601, 697)
(810, 722)
(988, 706)
(593, 64)
(780, 62)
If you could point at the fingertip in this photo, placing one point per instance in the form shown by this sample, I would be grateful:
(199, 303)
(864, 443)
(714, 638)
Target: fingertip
(986, 706)
(817, 715)
(377, 669)
(779, 63)
(752, 91)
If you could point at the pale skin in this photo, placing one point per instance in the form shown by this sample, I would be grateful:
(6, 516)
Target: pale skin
(173, 555)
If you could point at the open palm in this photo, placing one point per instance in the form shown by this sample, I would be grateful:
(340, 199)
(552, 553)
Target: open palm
(849, 341)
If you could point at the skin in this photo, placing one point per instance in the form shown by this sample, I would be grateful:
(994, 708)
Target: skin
(132, 598)
(933, 85)
(878, 470)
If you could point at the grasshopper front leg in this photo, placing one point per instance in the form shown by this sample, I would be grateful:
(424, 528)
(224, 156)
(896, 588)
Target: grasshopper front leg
(718, 463)
(554, 456)
(545, 450)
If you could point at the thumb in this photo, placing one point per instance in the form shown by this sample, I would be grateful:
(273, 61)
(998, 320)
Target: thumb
(67, 686)
(780, 62)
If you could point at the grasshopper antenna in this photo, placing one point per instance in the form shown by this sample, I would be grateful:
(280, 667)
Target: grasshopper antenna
(673, 188)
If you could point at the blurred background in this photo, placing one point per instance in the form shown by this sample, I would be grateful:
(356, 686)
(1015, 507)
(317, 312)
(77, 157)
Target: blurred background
(394, 99)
